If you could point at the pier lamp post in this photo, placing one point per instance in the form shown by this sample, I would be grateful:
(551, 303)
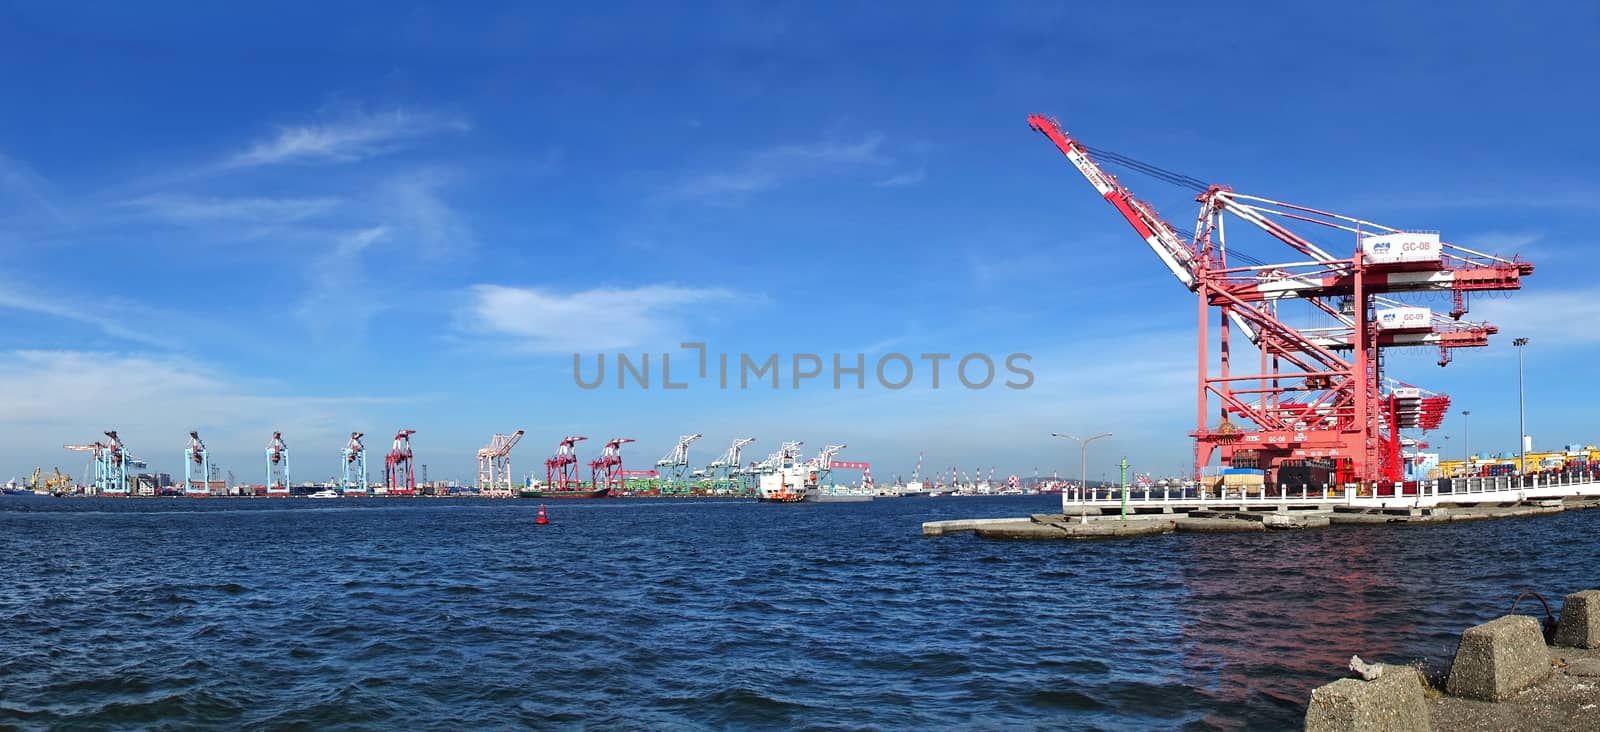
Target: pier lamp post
(1466, 440)
(1083, 466)
(1522, 423)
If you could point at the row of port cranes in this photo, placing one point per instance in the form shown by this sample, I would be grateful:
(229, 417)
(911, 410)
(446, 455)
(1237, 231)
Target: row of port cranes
(110, 463)
(1320, 395)
(672, 475)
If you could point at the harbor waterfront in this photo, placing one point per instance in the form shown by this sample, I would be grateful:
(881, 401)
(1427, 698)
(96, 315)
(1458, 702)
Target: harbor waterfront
(700, 614)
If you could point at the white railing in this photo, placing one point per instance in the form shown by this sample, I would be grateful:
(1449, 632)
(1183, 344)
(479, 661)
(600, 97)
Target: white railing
(1535, 485)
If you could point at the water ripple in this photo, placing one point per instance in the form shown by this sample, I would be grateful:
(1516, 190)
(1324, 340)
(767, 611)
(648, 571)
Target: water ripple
(659, 615)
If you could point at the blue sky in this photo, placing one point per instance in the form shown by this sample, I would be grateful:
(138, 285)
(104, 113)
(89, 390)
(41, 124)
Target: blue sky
(336, 216)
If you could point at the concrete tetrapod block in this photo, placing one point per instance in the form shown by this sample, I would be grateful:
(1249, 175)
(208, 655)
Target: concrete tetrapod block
(1499, 658)
(1580, 620)
(1393, 701)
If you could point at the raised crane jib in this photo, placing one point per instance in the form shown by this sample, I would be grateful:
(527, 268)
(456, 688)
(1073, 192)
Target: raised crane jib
(1165, 242)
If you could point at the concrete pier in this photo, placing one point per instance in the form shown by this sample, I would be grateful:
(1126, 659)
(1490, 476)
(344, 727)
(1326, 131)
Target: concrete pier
(1090, 522)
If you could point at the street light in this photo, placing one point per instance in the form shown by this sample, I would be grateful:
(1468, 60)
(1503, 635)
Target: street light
(1466, 439)
(1083, 466)
(1522, 424)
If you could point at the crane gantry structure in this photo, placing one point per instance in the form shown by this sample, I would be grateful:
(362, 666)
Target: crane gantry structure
(353, 479)
(494, 465)
(727, 472)
(277, 466)
(822, 464)
(561, 470)
(606, 471)
(399, 473)
(674, 466)
(196, 459)
(1318, 394)
(110, 464)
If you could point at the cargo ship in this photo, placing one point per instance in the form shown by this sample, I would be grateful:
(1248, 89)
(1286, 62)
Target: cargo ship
(580, 492)
(788, 484)
(536, 489)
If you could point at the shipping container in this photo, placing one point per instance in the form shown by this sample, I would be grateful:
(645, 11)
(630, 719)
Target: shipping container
(1405, 319)
(1401, 248)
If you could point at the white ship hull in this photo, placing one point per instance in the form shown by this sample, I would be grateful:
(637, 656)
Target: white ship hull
(786, 485)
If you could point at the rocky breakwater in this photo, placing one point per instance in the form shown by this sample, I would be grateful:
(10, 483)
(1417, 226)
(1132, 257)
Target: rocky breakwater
(1505, 676)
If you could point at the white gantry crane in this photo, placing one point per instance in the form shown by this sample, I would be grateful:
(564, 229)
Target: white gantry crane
(277, 466)
(787, 455)
(354, 478)
(728, 464)
(823, 462)
(494, 465)
(675, 464)
(196, 460)
(725, 471)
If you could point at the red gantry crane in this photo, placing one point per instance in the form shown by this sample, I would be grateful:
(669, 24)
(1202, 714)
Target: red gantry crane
(398, 475)
(561, 470)
(606, 471)
(1315, 393)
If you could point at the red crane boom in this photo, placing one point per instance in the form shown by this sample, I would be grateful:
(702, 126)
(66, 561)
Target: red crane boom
(1318, 393)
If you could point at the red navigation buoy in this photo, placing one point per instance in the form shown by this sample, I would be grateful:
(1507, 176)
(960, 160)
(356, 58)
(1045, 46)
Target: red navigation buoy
(543, 519)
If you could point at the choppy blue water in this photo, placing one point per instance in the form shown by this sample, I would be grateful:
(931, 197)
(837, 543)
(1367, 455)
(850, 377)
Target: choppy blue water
(677, 614)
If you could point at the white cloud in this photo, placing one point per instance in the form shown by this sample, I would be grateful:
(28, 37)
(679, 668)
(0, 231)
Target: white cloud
(353, 137)
(22, 189)
(904, 179)
(109, 315)
(266, 211)
(340, 299)
(1552, 319)
(60, 397)
(771, 168)
(602, 318)
(1499, 243)
(413, 202)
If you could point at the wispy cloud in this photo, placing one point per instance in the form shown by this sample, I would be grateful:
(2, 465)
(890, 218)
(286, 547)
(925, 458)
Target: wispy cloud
(1554, 319)
(768, 169)
(1500, 243)
(413, 201)
(263, 211)
(19, 183)
(339, 298)
(904, 179)
(110, 316)
(601, 318)
(354, 136)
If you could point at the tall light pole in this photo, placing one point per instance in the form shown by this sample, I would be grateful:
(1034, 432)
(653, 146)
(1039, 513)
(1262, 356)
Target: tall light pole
(1522, 423)
(1466, 440)
(1083, 465)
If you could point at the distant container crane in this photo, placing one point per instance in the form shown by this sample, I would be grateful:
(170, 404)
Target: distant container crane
(561, 470)
(606, 471)
(822, 464)
(399, 475)
(196, 461)
(675, 464)
(110, 465)
(277, 466)
(727, 473)
(494, 465)
(353, 479)
(1319, 394)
